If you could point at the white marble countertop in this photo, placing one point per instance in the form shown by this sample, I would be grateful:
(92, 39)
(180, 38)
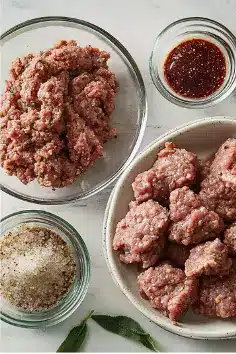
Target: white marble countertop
(135, 23)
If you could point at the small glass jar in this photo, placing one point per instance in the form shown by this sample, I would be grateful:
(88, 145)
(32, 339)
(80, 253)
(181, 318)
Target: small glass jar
(70, 302)
(186, 29)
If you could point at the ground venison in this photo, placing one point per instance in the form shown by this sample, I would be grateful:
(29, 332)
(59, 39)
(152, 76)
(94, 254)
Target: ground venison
(218, 190)
(83, 145)
(210, 258)
(218, 196)
(217, 296)
(140, 235)
(191, 222)
(168, 289)
(173, 168)
(54, 114)
(200, 225)
(150, 185)
(224, 162)
(182, 202)
(230, 238)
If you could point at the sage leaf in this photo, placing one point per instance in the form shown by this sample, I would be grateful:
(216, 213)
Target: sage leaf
(128, 328)
(75, 338)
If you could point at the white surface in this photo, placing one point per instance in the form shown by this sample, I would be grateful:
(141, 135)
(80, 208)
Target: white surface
(201, 137)
(135, 23)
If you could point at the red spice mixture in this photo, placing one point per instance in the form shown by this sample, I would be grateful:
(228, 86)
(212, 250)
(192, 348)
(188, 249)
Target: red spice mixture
(54, 114)
(196, 68)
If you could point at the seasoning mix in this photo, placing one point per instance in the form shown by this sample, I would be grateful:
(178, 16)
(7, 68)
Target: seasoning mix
(195, 68)
(37, 268)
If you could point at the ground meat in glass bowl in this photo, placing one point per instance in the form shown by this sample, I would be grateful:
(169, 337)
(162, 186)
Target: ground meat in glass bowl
(54, 114)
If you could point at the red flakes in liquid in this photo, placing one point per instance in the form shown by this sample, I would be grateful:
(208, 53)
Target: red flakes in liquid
(196, 68)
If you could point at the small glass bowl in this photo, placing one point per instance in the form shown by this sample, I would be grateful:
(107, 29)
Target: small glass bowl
(185, 29)
(70, 302)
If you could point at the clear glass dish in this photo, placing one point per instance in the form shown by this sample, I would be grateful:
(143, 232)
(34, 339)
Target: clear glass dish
(129, 116)
(185, 29)
(75, 296)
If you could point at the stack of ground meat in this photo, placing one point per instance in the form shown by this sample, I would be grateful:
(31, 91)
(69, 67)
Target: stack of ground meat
(54, 114)
(185, 241)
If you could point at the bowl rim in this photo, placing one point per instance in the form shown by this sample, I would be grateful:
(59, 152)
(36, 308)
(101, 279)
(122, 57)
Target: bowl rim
(142, 115)
(106, 239)
(43, 323)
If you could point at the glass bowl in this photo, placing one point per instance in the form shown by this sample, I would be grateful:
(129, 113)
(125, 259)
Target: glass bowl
(185, 29)
(75, 296)
(129, 116)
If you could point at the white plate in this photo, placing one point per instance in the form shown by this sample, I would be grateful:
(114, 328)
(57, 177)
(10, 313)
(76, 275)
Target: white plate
(202, 137)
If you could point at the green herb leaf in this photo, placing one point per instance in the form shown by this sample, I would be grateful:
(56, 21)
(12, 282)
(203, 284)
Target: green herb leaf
(75, 338)
(128, 328)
